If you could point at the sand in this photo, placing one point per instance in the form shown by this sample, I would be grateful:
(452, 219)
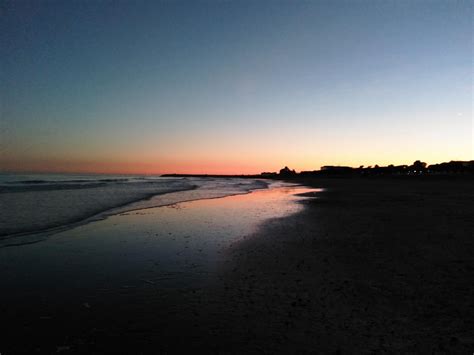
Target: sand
(369, 266)
(372, 266)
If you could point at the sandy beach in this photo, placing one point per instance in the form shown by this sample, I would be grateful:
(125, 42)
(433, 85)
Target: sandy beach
(370, 266)
(365, 266)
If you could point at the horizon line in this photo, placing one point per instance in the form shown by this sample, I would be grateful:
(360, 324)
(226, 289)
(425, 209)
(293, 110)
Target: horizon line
(12, 171)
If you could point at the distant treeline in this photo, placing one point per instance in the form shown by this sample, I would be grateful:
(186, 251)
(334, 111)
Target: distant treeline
(417, 168)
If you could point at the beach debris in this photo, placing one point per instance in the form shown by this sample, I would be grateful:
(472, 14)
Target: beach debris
(148, 281)
(62, 348)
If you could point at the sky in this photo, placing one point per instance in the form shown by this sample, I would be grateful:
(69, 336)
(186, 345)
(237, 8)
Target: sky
(233, 86)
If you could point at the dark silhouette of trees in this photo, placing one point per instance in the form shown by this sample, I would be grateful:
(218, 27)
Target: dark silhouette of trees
(418, 167)
(286, 172)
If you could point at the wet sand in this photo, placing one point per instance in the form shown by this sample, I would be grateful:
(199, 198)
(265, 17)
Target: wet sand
(132, 281)
(368, 266)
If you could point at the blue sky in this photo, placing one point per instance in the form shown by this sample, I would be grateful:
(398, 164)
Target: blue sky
(214, 86)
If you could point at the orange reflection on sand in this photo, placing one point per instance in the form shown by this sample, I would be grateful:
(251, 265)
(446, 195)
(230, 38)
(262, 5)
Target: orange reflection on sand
(232, 216)
(263, 197)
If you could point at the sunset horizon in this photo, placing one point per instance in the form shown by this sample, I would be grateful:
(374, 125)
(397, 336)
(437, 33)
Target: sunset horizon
(304, 85)
(199, 169)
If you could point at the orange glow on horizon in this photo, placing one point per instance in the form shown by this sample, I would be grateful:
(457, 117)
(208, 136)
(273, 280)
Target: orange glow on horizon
(186, 167)
(141, 168)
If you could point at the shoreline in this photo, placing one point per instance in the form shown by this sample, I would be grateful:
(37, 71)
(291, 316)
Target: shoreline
(363, 267)
(35, 236)
(48, 231)
(132, 267)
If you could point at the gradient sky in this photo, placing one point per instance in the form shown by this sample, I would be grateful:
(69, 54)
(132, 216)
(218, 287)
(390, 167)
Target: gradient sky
(233, 87)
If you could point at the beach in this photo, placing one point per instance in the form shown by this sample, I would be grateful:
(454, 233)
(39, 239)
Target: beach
(370, 266)
(88, 287)
(331, 266)
(236, 177)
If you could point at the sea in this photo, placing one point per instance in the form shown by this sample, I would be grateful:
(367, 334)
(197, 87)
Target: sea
(46, 203)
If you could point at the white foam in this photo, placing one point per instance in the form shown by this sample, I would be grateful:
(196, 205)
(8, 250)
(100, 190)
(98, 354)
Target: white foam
(30, 204)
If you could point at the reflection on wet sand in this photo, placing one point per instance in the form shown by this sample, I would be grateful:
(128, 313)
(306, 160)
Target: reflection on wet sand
(127, 256)
(186, 238)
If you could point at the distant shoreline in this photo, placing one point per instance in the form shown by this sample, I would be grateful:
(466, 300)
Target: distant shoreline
(418, 168)
(253, 176)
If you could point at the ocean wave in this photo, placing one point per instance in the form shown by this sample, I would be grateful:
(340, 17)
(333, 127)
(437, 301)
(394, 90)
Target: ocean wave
(34, 208)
